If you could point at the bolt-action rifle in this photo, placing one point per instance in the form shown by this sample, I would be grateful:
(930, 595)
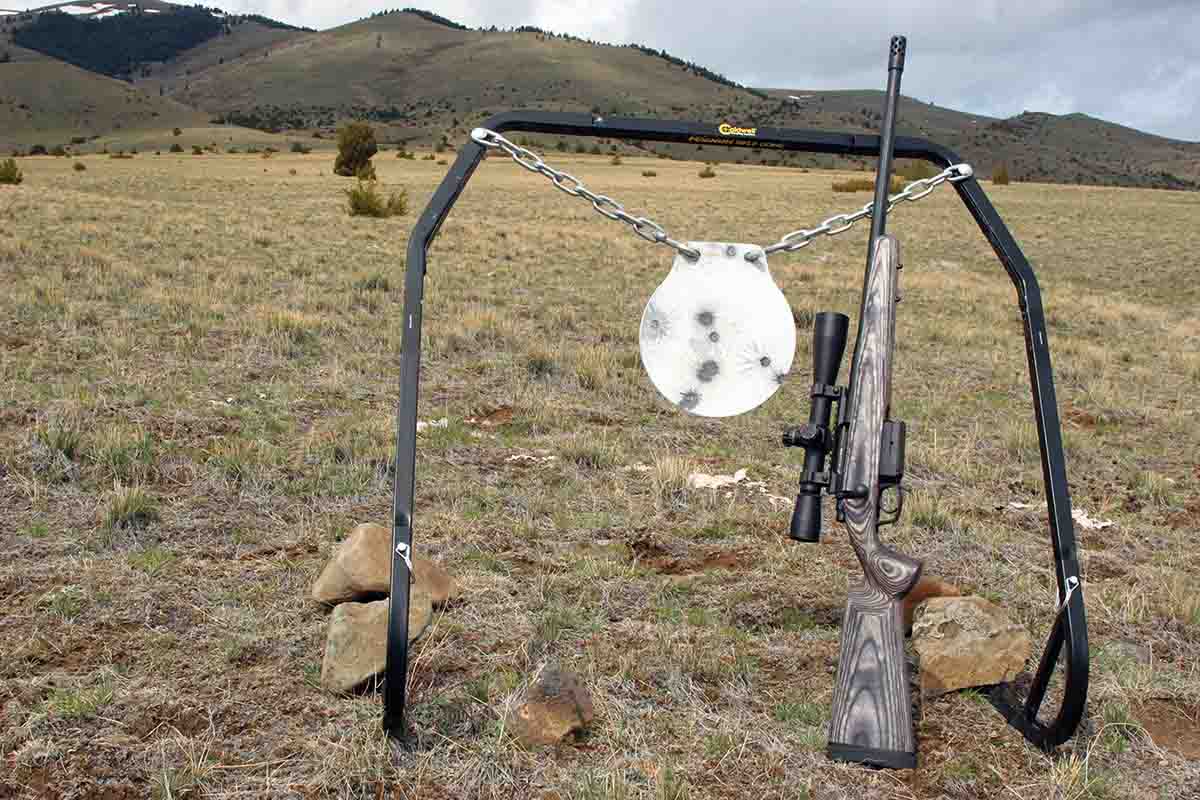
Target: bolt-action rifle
(871, 718)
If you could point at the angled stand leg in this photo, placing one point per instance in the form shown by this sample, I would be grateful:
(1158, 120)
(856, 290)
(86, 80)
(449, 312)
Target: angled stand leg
(404, 488)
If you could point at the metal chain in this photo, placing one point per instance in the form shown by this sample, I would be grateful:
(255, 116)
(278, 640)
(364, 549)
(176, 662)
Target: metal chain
(840, 223)
(651, 231)
(644, 227)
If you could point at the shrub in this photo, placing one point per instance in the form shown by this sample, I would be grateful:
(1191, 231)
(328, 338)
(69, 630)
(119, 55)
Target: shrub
(176, 132)
(366, 201)
(708, 172)
(442, 162)
(176, 147)
(366, 172)
(649, 173)
(10, 173)
(79, 166)
(615, 161)
(580, 147)
(300, 147)
(37, 150)
(596, 151)
(78, 140)
(197, 150)
(865, 185)
(120, 155)
(58, 151)
(356, 145)
(430, 157)
(916, 171)
(1000, 175)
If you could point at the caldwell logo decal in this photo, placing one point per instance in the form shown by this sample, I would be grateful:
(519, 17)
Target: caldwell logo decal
(732, 130)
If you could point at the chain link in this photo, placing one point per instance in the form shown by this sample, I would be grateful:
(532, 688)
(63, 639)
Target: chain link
(840, 223)
(651, 231)
(643, 227)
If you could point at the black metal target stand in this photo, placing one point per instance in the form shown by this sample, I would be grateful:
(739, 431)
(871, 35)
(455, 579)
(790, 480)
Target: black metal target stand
(1068, 638)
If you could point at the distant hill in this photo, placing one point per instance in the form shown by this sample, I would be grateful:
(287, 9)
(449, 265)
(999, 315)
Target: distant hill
(49, 102)
(1074, 148)
(426, 79)
(124, 40)
(423, 79)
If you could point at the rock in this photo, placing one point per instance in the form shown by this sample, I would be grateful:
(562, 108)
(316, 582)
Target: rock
(356, 645)
(435, 580)
(926, 588)
(555, 707)
(967, 641)
(362, 567)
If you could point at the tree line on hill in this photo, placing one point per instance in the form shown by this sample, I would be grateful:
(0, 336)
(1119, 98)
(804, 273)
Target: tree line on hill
(120, 45)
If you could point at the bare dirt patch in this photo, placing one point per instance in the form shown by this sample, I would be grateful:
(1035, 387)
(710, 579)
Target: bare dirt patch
(1172, 726)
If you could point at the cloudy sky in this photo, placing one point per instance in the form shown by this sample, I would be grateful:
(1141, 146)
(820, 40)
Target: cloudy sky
(1136, 62)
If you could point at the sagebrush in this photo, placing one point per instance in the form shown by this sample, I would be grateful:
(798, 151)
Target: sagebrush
(10, 173)
(365, 200)
(356, 146)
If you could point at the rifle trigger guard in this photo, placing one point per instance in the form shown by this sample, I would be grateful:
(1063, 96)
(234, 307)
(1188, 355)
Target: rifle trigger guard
(893, 514)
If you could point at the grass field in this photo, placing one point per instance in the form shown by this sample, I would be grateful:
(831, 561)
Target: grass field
(198, 367)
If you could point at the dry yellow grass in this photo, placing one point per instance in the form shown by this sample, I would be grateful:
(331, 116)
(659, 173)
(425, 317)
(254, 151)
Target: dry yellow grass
(199, 374)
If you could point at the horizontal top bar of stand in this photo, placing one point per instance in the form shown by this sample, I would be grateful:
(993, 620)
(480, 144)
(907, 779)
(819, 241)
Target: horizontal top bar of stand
(728, 135)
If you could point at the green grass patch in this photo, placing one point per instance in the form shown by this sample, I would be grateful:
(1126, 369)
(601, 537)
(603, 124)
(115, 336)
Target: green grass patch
(130, 507)
(152, 560)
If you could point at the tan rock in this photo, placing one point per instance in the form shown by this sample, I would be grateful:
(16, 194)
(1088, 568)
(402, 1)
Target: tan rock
(356, 645)
(362, 566)
(967, 641)
(441, 587)
(555, 707)
(926, 588)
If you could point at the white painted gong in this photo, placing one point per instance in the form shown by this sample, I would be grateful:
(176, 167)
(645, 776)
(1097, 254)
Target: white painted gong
(717, 336)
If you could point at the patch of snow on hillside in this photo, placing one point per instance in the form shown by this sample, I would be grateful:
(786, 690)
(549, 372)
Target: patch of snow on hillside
(112, 13)
(76, 9)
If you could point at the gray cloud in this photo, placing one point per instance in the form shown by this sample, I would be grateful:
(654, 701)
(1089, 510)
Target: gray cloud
(1135, 62)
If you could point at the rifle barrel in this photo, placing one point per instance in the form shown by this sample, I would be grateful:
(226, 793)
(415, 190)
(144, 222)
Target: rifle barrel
(887, 135)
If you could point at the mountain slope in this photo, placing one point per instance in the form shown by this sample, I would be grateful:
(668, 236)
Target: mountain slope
(49, 102)
(1034, 146)
(405, 69)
